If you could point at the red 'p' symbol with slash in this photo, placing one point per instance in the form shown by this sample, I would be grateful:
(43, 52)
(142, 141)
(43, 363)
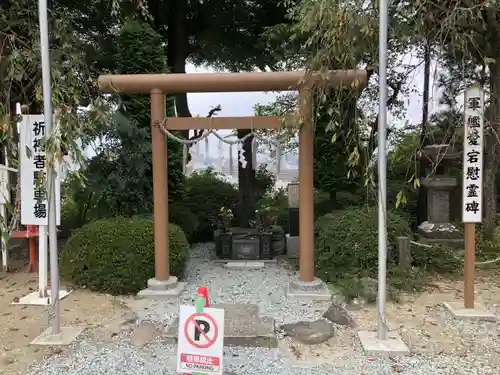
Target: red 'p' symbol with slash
(201, 330)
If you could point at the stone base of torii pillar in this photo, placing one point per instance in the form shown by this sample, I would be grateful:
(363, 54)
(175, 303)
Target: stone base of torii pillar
(315, 290)
(157, 289)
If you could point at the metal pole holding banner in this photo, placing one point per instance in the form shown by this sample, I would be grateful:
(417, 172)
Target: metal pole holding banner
(42, 262)
(47, 110)
(382, 341)
(382, 170)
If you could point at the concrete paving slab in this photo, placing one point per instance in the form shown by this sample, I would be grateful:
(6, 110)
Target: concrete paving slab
(478, 313)
(245, 265)
(66, 336)
(372, 345)
(265, 261)
(34, 298)
(242, 327)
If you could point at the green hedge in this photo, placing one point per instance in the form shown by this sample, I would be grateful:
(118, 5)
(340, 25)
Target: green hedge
(205, 193)
(182, 216)
(71, 218)
(179, 215)
(116, 255)
(346, 242)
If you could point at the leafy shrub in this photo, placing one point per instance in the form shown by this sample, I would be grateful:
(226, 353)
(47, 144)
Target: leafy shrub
(274, 206)
(346, 199)
(323, 204)
(264, 181)
(436, 258)
(408, 207)
(324, 207)
(184, 218)
(71, 218)
(116, 255)
(279, 200)
(178, 215)
(205, 193)
(346, 242)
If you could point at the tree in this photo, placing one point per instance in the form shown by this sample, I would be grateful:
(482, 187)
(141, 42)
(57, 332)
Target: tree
(220, 33)
(120, 177)
(199, 31)
(467, 35)
(329, 34)
(338, 163)
(284, 107)
(72, 77)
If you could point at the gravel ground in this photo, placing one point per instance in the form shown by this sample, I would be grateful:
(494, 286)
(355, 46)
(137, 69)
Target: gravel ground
(342, 355)
(264, 287)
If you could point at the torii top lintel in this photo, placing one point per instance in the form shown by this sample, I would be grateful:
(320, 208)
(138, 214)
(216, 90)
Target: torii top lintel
(228, 82)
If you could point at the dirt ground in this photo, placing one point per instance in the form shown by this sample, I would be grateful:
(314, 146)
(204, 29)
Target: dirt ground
(21, 324)
(421, 320)
(423, 323)
(428, 327)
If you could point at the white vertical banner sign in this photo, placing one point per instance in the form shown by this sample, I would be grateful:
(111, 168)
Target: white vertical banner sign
(473, 155)
(33, 169)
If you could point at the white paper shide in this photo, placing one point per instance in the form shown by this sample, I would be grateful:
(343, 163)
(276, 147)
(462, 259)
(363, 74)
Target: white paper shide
(33, 169)
(473, 155)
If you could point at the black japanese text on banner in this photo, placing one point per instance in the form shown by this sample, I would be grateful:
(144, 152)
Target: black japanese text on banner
(33, 172)
(473, 155)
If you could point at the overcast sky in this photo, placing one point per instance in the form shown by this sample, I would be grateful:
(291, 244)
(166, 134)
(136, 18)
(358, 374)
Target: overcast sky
(241, 104)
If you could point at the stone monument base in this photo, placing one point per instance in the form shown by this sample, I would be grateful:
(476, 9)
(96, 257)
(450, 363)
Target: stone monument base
(440, 234)
(392, 346)
(478, 313)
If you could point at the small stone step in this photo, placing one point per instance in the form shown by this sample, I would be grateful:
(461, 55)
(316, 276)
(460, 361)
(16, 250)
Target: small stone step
(245, 265)
(235, 261)
(242, 327)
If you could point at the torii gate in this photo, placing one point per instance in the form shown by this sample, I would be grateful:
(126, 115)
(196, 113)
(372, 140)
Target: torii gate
(158, 85)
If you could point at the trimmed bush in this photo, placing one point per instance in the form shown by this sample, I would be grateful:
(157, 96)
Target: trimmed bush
(185, 219)
(181, 216)
(346, 242)
(116, 255)
(71, 218)
(205, 193)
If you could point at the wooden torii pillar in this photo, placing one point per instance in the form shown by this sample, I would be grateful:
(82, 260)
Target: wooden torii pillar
(159, 85)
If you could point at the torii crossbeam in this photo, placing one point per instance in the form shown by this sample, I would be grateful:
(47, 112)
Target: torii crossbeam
(159, 85)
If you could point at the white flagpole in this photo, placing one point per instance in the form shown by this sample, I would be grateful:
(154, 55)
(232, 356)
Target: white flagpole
(47, 110)
(382, 170)
(42, 262)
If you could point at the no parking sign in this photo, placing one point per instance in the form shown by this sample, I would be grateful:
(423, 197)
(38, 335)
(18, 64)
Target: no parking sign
(201, 341)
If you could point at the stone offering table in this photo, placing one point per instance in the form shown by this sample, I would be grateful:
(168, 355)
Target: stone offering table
(249, 243)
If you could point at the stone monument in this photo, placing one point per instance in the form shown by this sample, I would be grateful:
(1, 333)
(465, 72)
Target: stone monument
(438, 229)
